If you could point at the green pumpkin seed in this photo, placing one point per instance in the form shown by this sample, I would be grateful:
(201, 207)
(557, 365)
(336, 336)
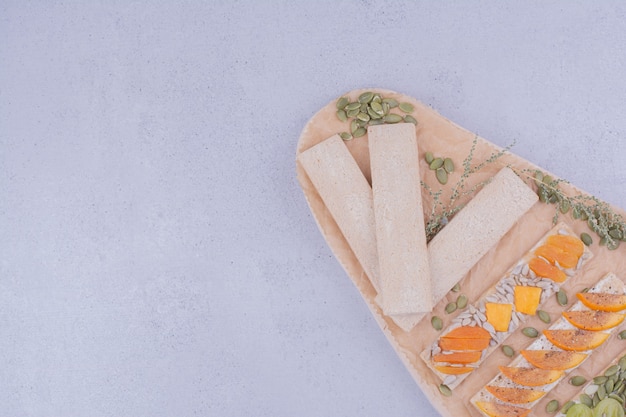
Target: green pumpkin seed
(612, 370)
(442, 176)
(377, 108)
(461, 301)
(445, 390)
(577, 380)
(544, 316)
(585, 399)
(436, 163)
(617, 385)
(567, 406)
(406, 107)
(375, 122)
(587, 240)
(359, 132)
(366, 97)
(617, 398)
(530, 332)
(342, 102)
(352, 106)
(552, 406)
(596, 399)
(392, 103)
(353, 112)
(622, 335)
(451, 307)
(341, 115)
(363, 116)
(437, 323)
(601, 393)
(376, 99)
(622, 362)
(614, 378)
(508, 351)
(385, 109)
(599, 380)
(363, 108)
(610, 384)
(345, 136)
(392, 118)
(429, 157)
(448, 165)
(561, 297)
(373, 114)
(410, 119)
(354, 125)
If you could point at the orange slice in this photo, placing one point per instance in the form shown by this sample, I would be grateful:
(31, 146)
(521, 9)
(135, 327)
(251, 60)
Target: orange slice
(594, 320)
(570, 244)
(575, 340)
(446, 343)
(468, 332)
(515, 395)
(555, 254)
(531, 377)
(556, 360)
(603, 301)
(544, 269)
(458, 357)
(501, 410)
(454, 370)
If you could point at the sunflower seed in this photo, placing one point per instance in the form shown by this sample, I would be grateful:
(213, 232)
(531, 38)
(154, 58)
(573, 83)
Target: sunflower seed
(437, 323)
(461, 301)
(451, 307)
(406, 107)
(445, 390)
(525, 269)
(530, 332)
(442, 176)
(552, 406)
(577, 380)
(466, 321)
(489, 327)
(543, 316)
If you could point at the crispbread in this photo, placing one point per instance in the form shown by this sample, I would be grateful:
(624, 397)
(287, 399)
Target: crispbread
(404, 280)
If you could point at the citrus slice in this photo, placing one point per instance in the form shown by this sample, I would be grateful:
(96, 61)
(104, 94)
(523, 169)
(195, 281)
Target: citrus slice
(556, 360)
(531, 377)
(603, 301)
(594, 320)
(501, 410)
(576, 340)
(515, 395)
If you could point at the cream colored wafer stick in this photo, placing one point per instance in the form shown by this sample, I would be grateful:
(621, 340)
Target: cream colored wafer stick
(401, 241)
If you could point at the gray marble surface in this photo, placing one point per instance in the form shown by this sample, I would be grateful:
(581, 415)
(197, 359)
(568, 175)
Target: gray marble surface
(157, 257)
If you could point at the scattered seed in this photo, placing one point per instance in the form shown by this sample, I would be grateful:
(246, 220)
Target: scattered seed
(610, 385)
(451, 307)
(577, 380)
(622, 363)
(445, 390)
(442, 176)
(437, 323)
(390, 102)
(508, 351)
(392, 118)
(353, 106)
(601, 393)
(366, 97)
(585, 399)
(461, 301)
(622, 335)
(406, 107)
(587, 240)
(345, 136)
(457, 287)
(611, 371)
(359, 132)
(530, 332)
(341, 115)
(436, 163)
(567, 406)
(561, 297)
(342, 103)
(599, 380)
(410, 119)
(543, 316)
(552, 406)
(448, 165)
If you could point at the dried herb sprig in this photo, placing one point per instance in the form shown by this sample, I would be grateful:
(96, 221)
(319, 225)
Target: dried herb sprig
(600, 217)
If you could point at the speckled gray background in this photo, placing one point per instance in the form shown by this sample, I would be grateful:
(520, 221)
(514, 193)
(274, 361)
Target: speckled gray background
(157, 257)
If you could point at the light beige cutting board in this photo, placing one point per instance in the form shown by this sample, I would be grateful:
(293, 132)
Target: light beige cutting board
(442, 137)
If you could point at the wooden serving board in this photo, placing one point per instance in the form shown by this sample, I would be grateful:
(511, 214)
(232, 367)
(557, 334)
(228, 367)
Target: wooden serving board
(442, 137)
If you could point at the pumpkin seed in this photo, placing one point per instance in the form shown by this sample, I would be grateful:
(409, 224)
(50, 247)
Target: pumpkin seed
(552, 406)
(451, 307)
(622, 335)
(508, 351)
(461, 301)
(390, 102)
(372, 114)
(392, 118)
(341, 115)
(352, 113)
(410, 119)
(611, 371)
(353, 106)
(561, 297)
(610, 384)
(342, 102)
(366, 97)
(376, 99)
(587, 240)
(363, 116)
(622, 362)
(437, 323)
(429, 157)
(448, 165)
(445, 390)
(375, 122)
(530, 332)
(436, 163)
(617, 398)
(601, 393)
(406, 107)
(567, 406)
(617, 385)
(599, 380)
(585, 399)
(543, 316)
(345, 136)
(577, 380)
(377, 108)
(457, 287)
(596, 399)
(442, 176)
(359, 132)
